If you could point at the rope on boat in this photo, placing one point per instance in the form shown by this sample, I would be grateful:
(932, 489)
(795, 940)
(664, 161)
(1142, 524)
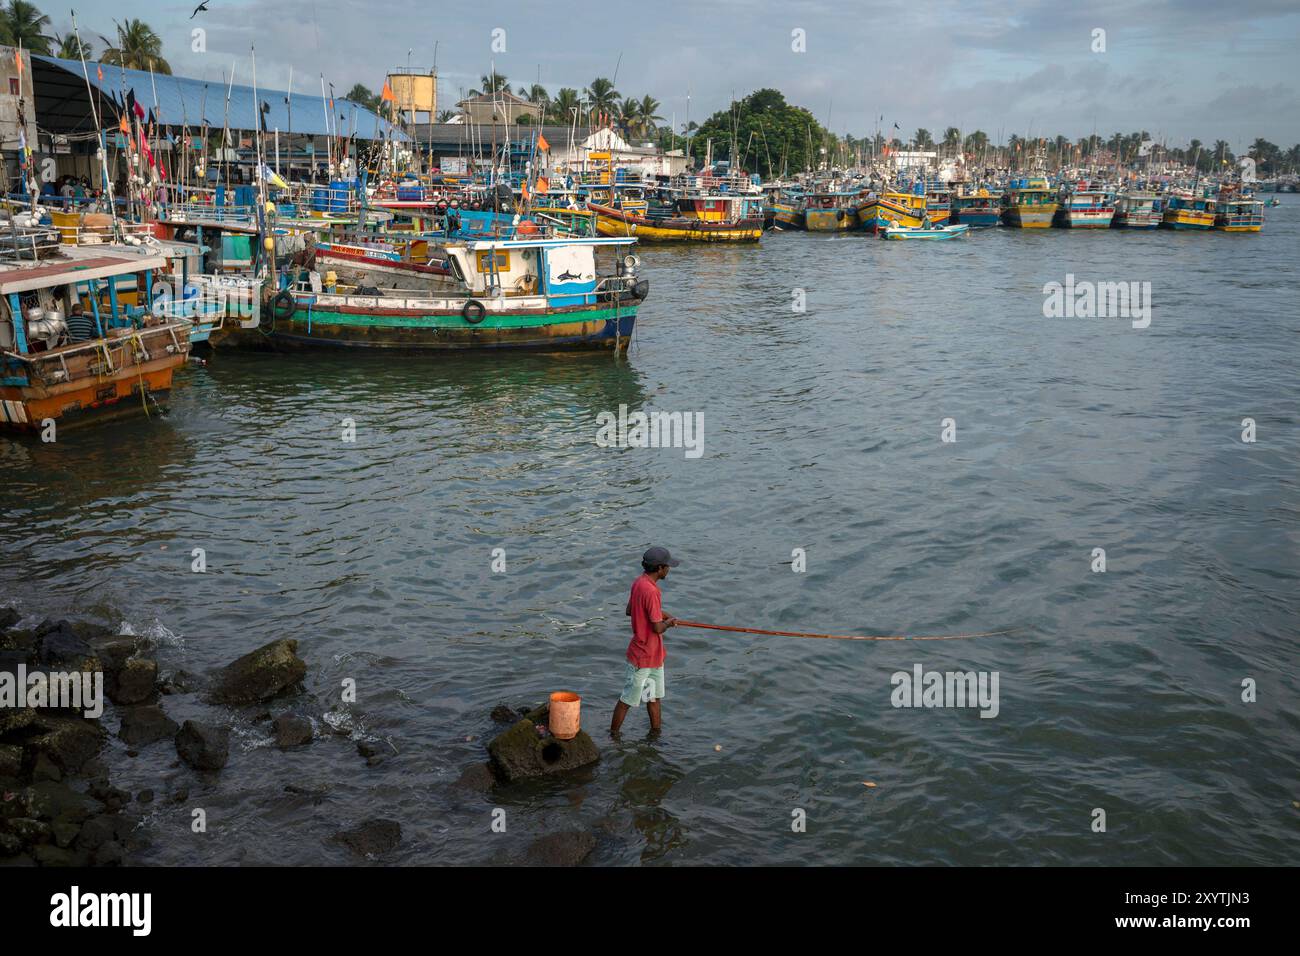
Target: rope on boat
(848, 637)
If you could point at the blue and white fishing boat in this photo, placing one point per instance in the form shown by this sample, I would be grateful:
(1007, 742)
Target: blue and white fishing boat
(924, 232)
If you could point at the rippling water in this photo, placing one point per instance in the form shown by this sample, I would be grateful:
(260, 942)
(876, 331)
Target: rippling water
(822, 429)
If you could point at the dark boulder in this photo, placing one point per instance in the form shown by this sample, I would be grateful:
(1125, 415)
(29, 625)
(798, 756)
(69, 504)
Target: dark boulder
(69, 741)
(146, 724)
(51, 800)
(503, 714)
(371, 838)
(62, 647)
(259, 675)
(8, 618)
(561, 849)
(133, 683)
(477, 777)
(203, 746)
(291, 730)
(520, 752)
(11, 760)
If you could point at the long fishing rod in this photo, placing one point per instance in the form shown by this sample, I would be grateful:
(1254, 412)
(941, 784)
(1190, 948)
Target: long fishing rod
(846, 637)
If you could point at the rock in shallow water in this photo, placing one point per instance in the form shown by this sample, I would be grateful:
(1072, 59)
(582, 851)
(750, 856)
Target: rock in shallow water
(145, 725)
(372, 837)
(291, 730)
(561, 849)
(519, 753)
(134, 681)
(203, 746)
(259, 675)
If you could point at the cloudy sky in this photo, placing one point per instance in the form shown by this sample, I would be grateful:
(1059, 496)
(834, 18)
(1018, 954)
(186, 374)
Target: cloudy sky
(1180, 69)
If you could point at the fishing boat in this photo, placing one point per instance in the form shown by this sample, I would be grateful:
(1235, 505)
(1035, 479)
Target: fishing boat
(1085, 208)
(785, 209)
(830, 211)
(1239, 214)
(925, 232)
(541, 294)
(49, 372)
(1188, 210)
(979, 208)
(892, 208)
(1029, 204)
(938, 203)
(1138, 210)
(687, 226)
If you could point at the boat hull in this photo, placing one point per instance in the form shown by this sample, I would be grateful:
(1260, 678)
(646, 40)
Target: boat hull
(334, 326)
(1187, 219)
(615, 223)
(1029, 217)
(829, 220)
(77, 403)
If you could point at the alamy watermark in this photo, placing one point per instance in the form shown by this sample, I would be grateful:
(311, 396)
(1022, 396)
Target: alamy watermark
(651, 430)
(923, 688)
(57, 690)
(1098, 300)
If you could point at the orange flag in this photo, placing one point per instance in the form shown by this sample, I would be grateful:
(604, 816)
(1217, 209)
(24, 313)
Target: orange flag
(542, 186)
(387, 95)
(542, 144)
(18, 58)
(123, 125)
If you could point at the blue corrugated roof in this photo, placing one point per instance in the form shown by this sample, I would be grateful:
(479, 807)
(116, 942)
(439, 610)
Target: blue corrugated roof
(185, 100)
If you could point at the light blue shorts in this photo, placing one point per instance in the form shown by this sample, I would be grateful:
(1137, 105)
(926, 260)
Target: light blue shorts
(642, 684)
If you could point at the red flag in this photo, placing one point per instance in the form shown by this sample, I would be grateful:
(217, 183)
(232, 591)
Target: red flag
(99, 71)
(542, 143)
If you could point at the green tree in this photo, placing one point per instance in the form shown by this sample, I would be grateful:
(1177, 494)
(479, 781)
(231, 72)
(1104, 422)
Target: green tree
(563, 106)
(70, 48)
(21, 24)
(922, 139)
(362, 96)
(138, 48)
(493, 83)
(601, 96)
(786, 137)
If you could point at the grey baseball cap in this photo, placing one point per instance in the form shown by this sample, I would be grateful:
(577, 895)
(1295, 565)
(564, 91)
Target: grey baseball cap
(657, 556)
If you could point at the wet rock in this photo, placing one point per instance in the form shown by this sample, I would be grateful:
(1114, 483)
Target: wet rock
(49, 855)
(110, 854)
(144, 796)
(10, 845)
(96, 831)
(519, 753)
(291, 730)
(372, 837)
(203, 746)
(45, 769)
(62, 647)
(50, 800)
(181, 682)
(146, 724)
(11, 760)
(15, 718)
(259, 675)
(503, 714)
(134, 681)
(28, 829)
(64, 832)
(180, 796)
(69, 741)
(372, 748)
(375, 761)
(477, 778)
(8, 618)
(560, 849)
(113, 798)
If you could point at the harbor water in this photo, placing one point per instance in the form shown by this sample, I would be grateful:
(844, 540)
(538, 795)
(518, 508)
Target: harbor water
(474, 545)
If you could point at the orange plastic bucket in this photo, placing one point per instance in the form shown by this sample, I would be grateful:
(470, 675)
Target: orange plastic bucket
(564, 721)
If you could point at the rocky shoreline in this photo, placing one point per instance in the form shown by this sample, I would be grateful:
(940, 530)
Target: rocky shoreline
(59, 806)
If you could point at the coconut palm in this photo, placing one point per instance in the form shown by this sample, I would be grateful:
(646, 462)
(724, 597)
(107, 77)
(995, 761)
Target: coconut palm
(494, 83)
(138, 48)
(601, 96)
(445, 116)
(21, 24)
(71, 48)
(562, 107)
(650, 117)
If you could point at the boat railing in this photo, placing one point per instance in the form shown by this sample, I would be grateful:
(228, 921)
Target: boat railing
(119, 343)
(206, 212)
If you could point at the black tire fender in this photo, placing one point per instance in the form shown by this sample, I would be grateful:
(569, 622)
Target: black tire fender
(284, 305)
(473, 311)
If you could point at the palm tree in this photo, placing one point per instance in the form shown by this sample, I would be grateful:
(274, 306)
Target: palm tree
(562, 107)
(70, 48)
(445, 116)
(649, 113)
(977, 141)
(952, 139)
(601, 96)
(23, 25)
(536, 94)
(922, 139)
(138, 48)
(628, 115)
(494, 83)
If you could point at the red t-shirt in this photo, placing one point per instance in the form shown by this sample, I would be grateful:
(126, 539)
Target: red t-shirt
(647, 647)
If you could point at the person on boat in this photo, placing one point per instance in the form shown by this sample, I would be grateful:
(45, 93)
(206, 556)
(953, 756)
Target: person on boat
(644, 673)
(81, 327)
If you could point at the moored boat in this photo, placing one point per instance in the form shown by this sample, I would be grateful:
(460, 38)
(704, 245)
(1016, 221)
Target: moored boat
(830, 212)
(1029, 204)
(892, 208)
(681, 228)
(1138, 210)
(72, 352)
(979, 208)
(925, 232)
(1187, 210)
(540, 294)
(1240, 214)
(1084, 208)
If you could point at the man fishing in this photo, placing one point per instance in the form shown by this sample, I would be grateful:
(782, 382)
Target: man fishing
(644, 677)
